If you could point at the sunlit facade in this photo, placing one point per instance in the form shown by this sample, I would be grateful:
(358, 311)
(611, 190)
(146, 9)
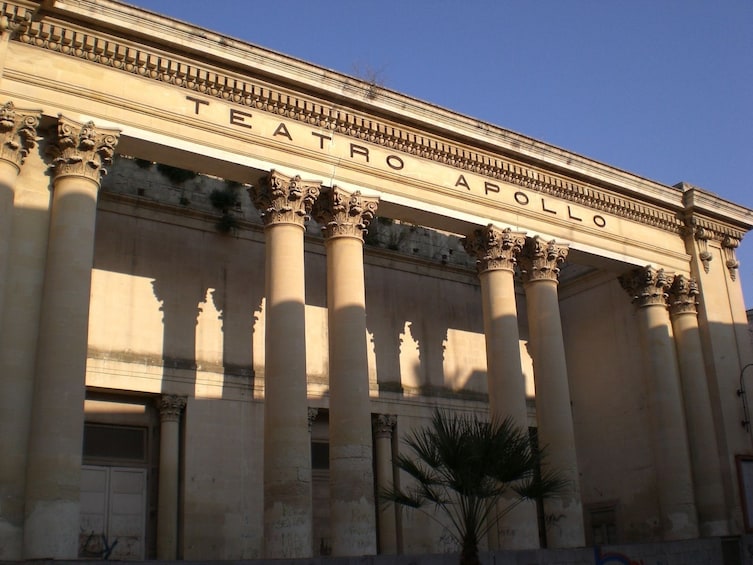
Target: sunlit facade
(214, 350)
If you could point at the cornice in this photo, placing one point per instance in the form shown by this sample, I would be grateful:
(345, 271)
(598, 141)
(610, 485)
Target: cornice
(123, 37)
(718, 218)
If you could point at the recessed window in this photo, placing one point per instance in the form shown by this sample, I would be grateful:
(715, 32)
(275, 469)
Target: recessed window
(125, 443)
(603, 526)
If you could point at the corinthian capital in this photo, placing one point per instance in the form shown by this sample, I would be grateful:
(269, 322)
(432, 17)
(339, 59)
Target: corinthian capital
(646, 286)
(344, 214)
(82, 150)
(494, 248)
(384, 425)
(682, 295)
(284, 200)
(18, 132)
(540, 259)
(170, 407)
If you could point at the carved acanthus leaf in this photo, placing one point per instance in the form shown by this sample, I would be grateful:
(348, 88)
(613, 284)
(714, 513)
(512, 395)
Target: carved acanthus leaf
(82, 149)
(494, 248)
(646, 285)
(540, 259)
(170, 407)
(384, 425)
(313, 414)
(682, 295)
(282, 199)
(18, 132)
(344, 214)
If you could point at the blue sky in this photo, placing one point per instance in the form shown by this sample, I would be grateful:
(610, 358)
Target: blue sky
(660, 88)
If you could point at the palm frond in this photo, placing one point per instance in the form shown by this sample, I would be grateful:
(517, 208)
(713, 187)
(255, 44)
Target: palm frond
(462, 467)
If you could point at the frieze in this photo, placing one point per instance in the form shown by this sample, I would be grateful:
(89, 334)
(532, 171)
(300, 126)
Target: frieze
(166, 68)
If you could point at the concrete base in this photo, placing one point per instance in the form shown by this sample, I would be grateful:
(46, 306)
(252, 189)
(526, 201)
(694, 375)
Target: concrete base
(710, 551)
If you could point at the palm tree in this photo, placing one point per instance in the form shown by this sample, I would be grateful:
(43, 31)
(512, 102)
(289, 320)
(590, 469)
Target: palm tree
(463, 467)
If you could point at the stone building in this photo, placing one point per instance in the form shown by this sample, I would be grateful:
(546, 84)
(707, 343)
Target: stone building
(213, 351)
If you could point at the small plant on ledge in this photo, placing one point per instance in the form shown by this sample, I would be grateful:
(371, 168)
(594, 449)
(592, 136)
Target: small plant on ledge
(225, 200)
(175, 174)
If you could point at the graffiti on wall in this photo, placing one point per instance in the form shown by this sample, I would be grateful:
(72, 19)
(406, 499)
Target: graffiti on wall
(613, 558)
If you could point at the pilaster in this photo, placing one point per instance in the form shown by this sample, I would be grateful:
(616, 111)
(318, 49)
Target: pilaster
(723, 329)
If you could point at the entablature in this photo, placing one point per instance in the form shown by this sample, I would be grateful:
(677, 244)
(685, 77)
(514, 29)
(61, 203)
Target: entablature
(611, 190)
(216, 67)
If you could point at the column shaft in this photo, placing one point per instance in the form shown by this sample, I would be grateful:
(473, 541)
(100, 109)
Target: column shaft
(704, 451)
(352, 511)
(54, 467)
(553, 408)
(287, 446)
(385, 426)
(496, 251)
(284, 204)
(17, 138)
(54, 458)
(169, 469)
(8, 173)
(709, 491)
(669, 433)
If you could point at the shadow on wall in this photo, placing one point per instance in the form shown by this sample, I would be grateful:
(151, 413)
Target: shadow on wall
(191, 271)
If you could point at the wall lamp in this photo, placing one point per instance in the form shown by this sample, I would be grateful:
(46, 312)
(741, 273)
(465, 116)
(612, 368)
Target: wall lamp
(742, 394)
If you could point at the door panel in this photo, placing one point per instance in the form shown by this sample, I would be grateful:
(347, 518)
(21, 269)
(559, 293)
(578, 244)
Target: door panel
(113, 512)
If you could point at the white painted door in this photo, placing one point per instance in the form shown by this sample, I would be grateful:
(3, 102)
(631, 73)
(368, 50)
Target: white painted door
(113, 512)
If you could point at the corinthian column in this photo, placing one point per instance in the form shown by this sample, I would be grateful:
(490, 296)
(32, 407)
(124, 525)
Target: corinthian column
(540, 265)
(284, 204)
(384, 427)
(170, 408)
(17, 138)
(704, 452)
(647, 287)
(496, 252)
(18, 132)
(344, 218)
(54, 464)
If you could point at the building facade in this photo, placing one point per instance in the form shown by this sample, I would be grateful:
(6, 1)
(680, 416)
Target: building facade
(213, 351)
